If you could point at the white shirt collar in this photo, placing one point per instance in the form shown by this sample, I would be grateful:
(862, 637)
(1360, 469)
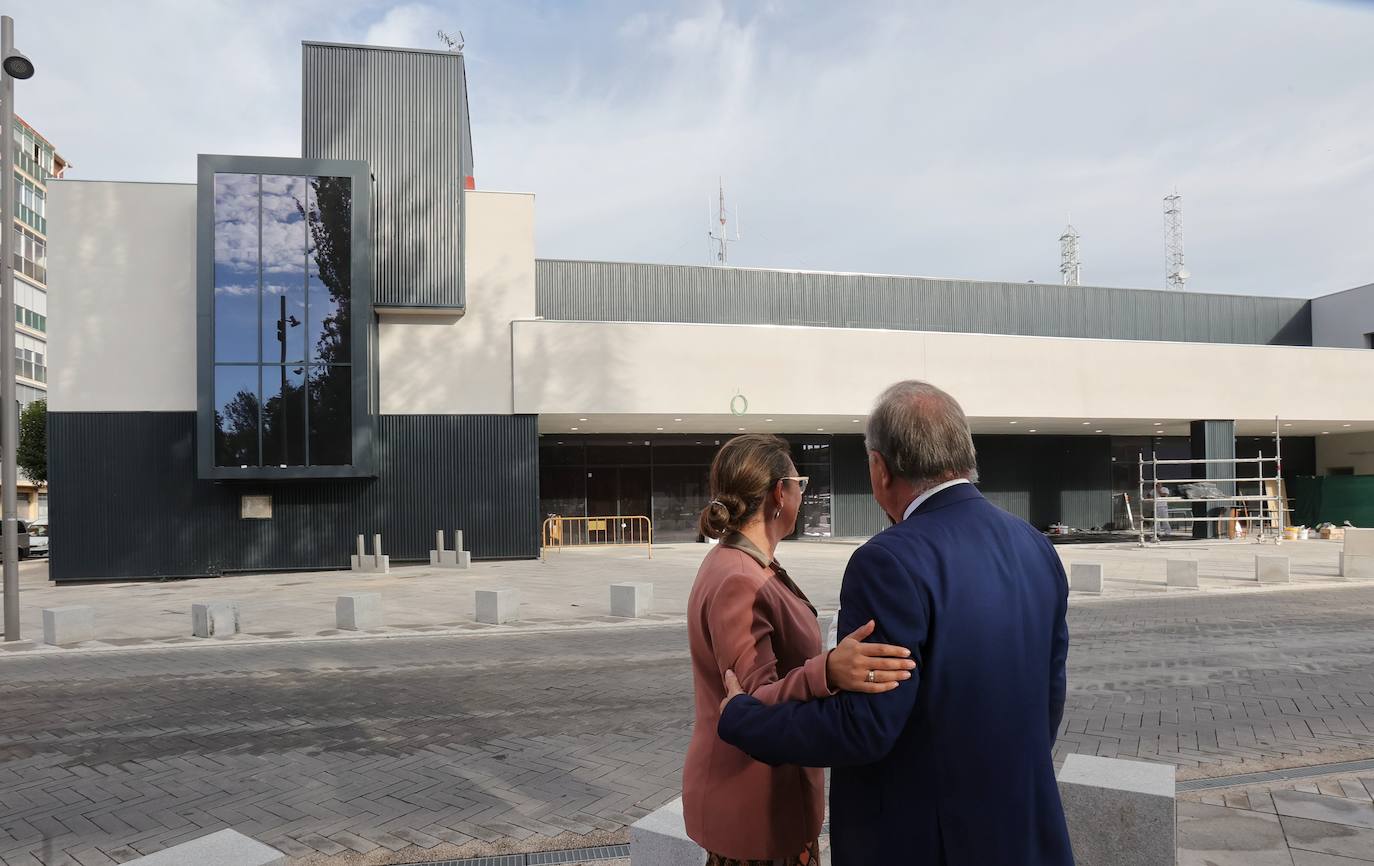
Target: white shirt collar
(919, 500)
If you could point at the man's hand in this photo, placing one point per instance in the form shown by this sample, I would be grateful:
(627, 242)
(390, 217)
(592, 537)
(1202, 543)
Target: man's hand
(732, 689)
(855, 666)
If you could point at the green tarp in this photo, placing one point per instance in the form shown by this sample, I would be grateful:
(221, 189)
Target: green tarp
(1333, 499)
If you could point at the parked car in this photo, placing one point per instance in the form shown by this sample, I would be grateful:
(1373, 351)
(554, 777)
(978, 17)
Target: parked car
(23, 541)
(38, 537)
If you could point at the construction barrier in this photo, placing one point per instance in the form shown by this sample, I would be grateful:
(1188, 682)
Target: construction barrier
(623, 531)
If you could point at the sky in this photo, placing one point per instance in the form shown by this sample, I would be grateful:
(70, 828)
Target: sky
(928, 138)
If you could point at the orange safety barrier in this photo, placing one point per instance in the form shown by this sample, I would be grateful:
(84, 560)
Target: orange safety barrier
(622, 531)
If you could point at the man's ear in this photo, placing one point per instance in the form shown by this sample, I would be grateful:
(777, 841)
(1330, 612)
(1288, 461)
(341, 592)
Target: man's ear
(883, 474)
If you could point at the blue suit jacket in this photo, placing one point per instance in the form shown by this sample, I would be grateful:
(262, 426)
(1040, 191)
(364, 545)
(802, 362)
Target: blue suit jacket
(954, 765)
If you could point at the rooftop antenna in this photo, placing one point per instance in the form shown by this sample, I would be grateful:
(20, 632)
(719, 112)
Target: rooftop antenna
(1070, 265)
(717, 232)
(1175, 273)
(451, 44)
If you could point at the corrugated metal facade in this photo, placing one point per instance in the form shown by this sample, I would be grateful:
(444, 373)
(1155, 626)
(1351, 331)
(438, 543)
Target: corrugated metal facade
(124, 487)
(618, 292)
(1041, 479)
(405, 112)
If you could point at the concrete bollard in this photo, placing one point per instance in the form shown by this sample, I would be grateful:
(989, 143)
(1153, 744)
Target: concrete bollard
(1120, 813)
(224, 848)
(215, 618)
(455, 558)
(1357, 554)
(370, 563)
(631, 599)
(1086, 577)
(660, 839)
(1272, 569)
(68, 625)
(1181, 573)
(497, 606)
(358, 610)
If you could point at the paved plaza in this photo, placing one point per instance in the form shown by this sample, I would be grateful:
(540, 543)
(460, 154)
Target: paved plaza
(411, 746)
(570, 588)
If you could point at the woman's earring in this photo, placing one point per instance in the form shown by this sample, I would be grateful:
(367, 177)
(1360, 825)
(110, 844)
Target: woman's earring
(777, 514)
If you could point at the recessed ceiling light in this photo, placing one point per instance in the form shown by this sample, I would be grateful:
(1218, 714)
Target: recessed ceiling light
(1097, 431)
(768, 419)
(1288, 424)
(1326, 432)
(582, 419)
(741, 429)
(677, 419)
(574, 428)
(658, 428)
(1159, 423)
(1031, 430)
(1086, 423)
(819, 429)
(1345, 425)
(1013, 422)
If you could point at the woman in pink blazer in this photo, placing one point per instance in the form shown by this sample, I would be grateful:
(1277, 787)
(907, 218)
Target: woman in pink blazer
(747, 615)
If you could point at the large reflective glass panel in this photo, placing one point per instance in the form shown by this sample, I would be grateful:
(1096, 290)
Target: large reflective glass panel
(283, 269)
(283, 298)
(283, 415)
(236, 267)
(236, 416)
(331, 413)
(330, 262)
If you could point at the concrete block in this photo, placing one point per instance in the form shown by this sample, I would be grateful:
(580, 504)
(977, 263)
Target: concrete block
(660, 839)
(1358, 566)
(358, 610)
(1086, 577)
(225, 848)
(1272, 569)
(496, 606)
(1358, 542)
(68, 625)
(1120, 813)
(631, 599)
(1181, 573)
(215, 618)
(829, 623)
(371, 564)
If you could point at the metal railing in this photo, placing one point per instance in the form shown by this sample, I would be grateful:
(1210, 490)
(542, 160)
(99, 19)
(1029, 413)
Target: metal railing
(618, 531)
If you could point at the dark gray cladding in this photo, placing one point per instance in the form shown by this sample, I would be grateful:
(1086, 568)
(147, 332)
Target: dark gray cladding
(126, 497)
(1041, 479)
(405, 113)
(618, 292)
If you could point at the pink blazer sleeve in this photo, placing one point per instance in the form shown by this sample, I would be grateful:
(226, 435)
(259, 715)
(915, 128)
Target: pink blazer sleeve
(741, 639)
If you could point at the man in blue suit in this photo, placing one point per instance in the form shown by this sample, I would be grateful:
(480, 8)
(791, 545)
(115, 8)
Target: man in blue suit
(953, 766)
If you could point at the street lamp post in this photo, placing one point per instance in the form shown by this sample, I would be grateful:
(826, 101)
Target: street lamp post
(15, 65)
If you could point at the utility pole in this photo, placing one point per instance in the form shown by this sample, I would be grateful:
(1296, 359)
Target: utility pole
(16, 65)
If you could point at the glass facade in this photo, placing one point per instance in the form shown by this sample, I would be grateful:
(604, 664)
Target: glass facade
(663, 477)
(283, 371)
(30, 306)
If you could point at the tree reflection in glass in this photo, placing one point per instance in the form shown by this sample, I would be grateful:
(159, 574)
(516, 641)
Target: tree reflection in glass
(329, 218)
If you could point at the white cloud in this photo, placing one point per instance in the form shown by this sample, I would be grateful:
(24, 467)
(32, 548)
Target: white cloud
(940, 139)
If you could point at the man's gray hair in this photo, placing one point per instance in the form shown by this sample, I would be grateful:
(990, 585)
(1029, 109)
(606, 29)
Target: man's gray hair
(922, 434)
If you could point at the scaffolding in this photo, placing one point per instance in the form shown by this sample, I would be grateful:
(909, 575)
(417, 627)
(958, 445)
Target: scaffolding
(1263, 514)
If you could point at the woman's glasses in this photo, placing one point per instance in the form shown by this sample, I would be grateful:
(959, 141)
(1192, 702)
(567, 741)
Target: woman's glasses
(802, 480)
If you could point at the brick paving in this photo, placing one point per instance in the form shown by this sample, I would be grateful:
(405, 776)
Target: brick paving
(405, 749)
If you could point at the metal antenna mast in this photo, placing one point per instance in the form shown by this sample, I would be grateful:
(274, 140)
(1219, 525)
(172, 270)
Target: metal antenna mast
(451, 44)
(716, 228)
(1175, 273)
(1070, 265)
